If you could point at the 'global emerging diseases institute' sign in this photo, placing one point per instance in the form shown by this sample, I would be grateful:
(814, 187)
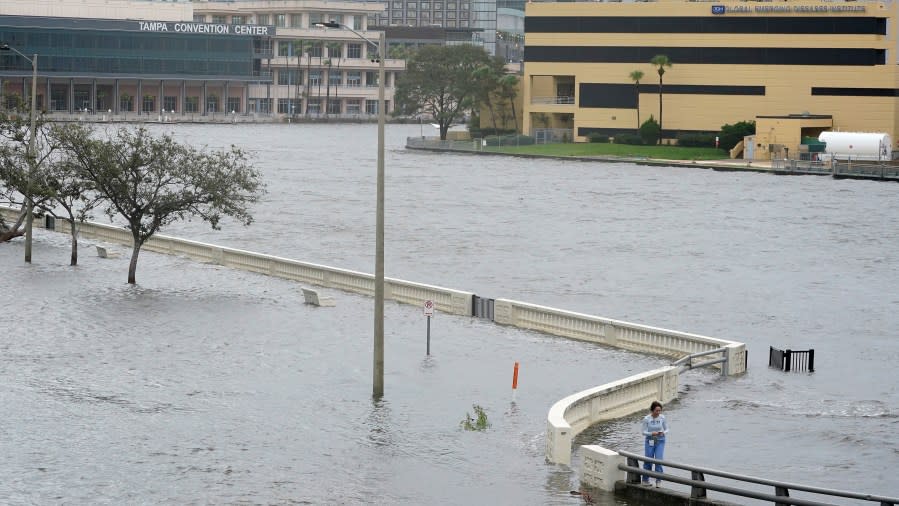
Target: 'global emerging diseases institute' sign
(796, 9)
(212, 29)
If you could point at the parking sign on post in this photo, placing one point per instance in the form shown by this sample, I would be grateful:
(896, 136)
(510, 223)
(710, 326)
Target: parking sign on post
(429, 312)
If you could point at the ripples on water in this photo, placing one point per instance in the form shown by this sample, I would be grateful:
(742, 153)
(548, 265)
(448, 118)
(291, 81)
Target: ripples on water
(205, 385)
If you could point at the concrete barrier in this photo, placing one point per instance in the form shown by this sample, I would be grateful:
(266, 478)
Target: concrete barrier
(570, 416)
(445, 300)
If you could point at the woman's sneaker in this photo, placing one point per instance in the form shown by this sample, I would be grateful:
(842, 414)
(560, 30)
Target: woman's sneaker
(658, 483)
(646, 483)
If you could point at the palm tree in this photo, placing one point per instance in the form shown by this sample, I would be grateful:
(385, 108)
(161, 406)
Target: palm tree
(660, 61)
(333, 51)
(508, 86)
(309, 50)
(487, 78)
(635, 77)
(299, 47)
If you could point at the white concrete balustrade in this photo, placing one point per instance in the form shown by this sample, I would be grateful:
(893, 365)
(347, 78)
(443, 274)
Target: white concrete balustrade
(567, 417)
(445, 300)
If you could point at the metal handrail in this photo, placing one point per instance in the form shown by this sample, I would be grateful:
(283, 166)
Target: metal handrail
(700, 485)
(690, 365)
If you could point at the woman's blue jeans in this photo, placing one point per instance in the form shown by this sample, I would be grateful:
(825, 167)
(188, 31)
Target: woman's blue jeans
(656, 451)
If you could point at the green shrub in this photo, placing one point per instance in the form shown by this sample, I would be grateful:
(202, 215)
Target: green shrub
(730, 135)
(477, 422)
(598, 137)
(626, 138)
(649, 131)
(696, 140)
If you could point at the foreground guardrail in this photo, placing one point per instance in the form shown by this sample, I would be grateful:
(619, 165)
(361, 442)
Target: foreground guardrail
(621, 465)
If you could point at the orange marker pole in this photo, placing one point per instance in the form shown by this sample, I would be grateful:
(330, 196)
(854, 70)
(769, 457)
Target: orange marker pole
(514, 380)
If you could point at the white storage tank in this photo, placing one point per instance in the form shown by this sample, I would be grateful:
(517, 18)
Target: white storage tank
(857, 146)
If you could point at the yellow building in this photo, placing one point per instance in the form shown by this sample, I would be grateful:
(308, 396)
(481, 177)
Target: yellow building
(796, 67)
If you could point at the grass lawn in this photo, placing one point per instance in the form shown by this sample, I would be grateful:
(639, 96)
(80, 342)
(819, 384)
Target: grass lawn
(623, 150)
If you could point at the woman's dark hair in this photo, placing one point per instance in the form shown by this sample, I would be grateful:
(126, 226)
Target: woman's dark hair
(654, 405)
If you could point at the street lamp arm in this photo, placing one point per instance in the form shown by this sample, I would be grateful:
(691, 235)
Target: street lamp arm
(334, 24)
(6, 47)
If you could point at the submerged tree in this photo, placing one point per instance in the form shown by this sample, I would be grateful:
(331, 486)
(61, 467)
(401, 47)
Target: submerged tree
(152, 182)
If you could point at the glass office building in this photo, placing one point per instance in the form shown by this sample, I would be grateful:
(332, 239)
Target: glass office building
(133, 66)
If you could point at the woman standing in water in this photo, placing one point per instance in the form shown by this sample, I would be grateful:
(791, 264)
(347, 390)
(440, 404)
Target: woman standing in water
(655, 427)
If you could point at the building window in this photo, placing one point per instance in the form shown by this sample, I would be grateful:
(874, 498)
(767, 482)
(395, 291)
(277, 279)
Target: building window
(354, 78)
(438, 6)
(354, 51)
(438, 15)
(334, 106)
(126, 103)
(337, 18)
(316, 50)
(288, 106)
(334, 78)
(148, 104)
(263, 19)
(314, 107)
(425, 16)
(451, 6)
(463, 6)
(371, 79)
(411, 6)
(315, 18)
(170, 103)
(264, 105)
(199, 18)
(212, 103)
(315, 77)
(371, 107)
(451, 15)
(219, 19)
(284, 47)
(191, 104)
(289, 77)
(296, 20)
(281, 20)
(335, 51)
(357, 22)
(233, 104)
(353, 106)
(238, 20)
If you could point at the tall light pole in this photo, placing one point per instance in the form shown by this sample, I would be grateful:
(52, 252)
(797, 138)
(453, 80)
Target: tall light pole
(29, 204)
(378, 373)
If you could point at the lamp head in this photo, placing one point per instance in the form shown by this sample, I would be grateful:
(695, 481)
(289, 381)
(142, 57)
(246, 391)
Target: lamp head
(327, 24)
(4, 46)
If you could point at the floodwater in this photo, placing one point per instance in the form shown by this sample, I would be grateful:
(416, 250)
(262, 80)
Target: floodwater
(204, 385)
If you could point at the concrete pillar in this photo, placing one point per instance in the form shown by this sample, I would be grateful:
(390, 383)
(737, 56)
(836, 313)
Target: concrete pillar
(503, 312)
(203, 104)
(93, 106)
(736, 359)
(47, 105)
(140, 96)
(116, 97)
(182, 100)
(71, 98)
(600, 468)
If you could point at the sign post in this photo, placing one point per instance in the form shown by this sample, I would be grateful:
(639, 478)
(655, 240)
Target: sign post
(429, 312)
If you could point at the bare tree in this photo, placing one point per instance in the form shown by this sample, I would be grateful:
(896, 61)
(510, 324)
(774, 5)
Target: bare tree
(152, 182)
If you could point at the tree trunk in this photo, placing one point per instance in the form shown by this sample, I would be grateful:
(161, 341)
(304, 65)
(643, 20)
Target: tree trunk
(660, 109)
(637, 92)
(514, 116)
(328, 91)
(15, 230)
(74, 259)
(444, 128)
(132, 267)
